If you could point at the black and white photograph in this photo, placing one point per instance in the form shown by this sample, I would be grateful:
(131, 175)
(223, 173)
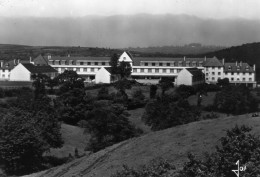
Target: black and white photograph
(129, 88)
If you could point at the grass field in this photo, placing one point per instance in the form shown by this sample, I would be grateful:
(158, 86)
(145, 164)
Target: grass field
(15, 84)
(172, 144)
(73, 137)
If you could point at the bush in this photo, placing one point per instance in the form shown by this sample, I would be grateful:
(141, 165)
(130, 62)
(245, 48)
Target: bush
(24, 138)
(169, 111)
(103, 94)
(238, 144)
(155, 168)
(185, 91)
(153, 89)
(108, 125)
(235, 100)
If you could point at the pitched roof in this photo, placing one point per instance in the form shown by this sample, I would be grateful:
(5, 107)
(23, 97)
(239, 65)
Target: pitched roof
(138, 60)
(108, 69)
(213, 62)
(40, 60)
(238, 67)
(39, 69)
(89, 58)
(195, 72)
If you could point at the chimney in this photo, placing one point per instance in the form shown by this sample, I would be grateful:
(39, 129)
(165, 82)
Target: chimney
(1, 64)
(236, 63)
(14, 61)
(30, 59)
(68, 55)
(184, 58)
(254, 67)
(240, 63)
(223, 61)
(205, 58)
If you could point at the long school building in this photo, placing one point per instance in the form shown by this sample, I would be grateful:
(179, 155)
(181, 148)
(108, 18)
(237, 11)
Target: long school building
(151, 69)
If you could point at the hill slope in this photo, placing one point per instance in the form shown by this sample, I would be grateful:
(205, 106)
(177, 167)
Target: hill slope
(172, 144)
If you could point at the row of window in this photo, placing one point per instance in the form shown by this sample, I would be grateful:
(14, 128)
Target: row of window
(213, 68)
(232, 73)
(231, 79)
(57, 62)
(188, 64)
(79, 69)
(155, 70)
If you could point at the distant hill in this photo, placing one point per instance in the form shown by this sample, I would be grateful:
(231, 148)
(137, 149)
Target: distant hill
(13, 51)
(176, 50)
(172, 144)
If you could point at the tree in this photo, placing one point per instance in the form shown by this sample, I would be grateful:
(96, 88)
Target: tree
(124, 69)
(114, 64)
(71, 106)
(165, 84)
(185, 91)
(39, 85)
(52, 83)
(69, 80)
(168, 111)
(108, 125)
(235, 100)
(153, 89)
(238, 144)
(24, 137)
(122, 85)
(223, 82)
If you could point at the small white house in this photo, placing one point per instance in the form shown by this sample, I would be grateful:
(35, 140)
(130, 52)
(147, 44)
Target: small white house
(24, 71)
(104, 75)
(190, 76)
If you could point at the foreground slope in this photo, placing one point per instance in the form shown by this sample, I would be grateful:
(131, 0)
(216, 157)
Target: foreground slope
(172, 144)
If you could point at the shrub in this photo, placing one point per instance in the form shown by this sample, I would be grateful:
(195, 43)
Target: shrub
(153, 89)
(155, 168)
(238, 144)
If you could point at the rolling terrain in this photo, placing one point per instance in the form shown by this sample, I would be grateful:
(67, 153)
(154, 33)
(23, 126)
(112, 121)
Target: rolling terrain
(172, 144)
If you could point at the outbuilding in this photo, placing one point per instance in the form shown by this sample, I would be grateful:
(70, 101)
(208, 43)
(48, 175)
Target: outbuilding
(24, 71)
(190, 76)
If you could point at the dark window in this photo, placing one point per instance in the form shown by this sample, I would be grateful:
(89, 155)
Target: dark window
(149, 70)
(153, 64)
(168, 64)
(81, 63)
(103, 63)
(89, 63)
(145, 64)
(160, 64)
(96, 63)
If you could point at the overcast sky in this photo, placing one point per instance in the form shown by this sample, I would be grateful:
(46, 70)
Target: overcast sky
(249, 9)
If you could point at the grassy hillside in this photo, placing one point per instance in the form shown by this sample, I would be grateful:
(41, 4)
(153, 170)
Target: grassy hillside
(73, 137)
(172, 144)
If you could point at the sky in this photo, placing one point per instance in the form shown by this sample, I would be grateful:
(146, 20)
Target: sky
(219, 9)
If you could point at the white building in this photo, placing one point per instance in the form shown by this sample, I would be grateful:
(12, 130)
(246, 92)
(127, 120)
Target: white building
(147, 69)
(191, 77)
(24, 71)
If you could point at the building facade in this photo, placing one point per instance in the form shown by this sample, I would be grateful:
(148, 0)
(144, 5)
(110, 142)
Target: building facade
(147, 70)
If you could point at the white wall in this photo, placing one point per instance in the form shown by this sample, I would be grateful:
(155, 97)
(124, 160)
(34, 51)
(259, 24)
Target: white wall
(102, 76)
(20, 73)
(184, 78)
